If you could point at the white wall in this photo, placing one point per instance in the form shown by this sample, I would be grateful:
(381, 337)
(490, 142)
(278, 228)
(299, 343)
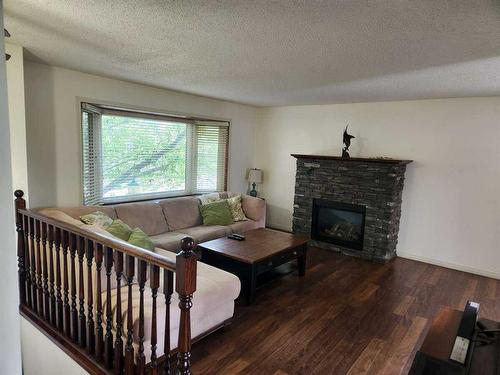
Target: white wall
(10, 349)
(42, 357)
(451, 199)
(15, 87)
(53, 127)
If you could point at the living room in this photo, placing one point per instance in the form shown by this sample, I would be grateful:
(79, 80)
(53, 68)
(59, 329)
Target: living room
(386, 111)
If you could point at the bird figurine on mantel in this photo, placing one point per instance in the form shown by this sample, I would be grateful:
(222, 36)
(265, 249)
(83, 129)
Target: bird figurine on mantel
(347, 142)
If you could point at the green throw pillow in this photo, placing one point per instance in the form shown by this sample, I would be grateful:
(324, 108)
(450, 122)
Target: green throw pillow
(96, 218)
(141, 239)
(119, 229)
(216, 213)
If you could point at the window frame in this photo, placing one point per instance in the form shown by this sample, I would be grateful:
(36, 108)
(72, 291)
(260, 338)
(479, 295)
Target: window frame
(95, 111)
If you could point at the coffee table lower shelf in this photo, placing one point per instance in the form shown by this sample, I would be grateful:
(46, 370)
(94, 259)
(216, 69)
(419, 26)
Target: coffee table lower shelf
(249, 272)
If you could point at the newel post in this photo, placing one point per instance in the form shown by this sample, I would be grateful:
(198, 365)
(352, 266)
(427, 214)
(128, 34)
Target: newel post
(20, 204)
(185, 286)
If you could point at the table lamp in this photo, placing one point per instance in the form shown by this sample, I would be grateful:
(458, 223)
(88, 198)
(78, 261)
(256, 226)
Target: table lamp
(255, 177)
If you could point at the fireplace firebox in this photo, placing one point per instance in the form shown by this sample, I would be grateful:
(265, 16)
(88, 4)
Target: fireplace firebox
(338, 223)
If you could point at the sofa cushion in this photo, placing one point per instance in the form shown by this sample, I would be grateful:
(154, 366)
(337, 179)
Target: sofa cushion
(183, 212)
(203, 233)
(211, 282)
(213, 304)
(145, 215)
(56, 214)
(76, 212)
(244, 226)
(203, 320)
(255, 208)
(170, 241)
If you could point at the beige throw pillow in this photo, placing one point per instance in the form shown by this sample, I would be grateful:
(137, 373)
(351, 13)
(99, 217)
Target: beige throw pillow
(209, 198)
(236, 209)
(96, 218)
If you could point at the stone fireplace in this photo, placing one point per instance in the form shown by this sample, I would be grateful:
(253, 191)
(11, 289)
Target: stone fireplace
(352, 205)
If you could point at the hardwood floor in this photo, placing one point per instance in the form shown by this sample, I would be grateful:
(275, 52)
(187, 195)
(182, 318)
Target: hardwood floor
(346, 316)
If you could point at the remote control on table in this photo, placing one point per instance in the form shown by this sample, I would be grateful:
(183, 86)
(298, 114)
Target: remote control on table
(236, 237)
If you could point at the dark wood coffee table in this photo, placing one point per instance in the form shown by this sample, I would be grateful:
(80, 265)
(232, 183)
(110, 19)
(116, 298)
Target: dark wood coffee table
(262, 250)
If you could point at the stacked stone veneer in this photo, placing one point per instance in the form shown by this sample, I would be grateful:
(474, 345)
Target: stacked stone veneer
(375, 184)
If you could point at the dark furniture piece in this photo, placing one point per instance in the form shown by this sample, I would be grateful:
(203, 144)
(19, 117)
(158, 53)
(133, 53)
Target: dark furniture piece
(433, 356)
(262, 250)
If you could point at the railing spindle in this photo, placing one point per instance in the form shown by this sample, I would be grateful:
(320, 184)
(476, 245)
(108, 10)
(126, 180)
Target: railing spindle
(66, 306)
(64, 294)
(185, 286)
(108, 341)
(129, 349)
(141, 278)
(34, 279)
(82, 334)
(46, 299)
(155, 284)
(27, 261)
(168, 289)
(99, 342)
(74, 311)
(59, 302)
(90, 300)
(52, 294)
(119, 324)
(20, 204)
(38, 236)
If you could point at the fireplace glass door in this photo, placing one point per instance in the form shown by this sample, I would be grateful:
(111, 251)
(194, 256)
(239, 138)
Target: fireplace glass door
(338, 223)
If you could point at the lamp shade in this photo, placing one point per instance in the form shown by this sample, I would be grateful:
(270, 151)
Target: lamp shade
(255, 175)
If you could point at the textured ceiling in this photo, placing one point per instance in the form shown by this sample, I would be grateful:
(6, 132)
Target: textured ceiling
(266, 52)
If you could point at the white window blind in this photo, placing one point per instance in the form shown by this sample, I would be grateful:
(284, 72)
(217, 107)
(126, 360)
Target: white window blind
(210, 156)
(134, 155)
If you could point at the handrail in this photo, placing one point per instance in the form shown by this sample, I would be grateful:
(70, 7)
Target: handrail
(117, 244)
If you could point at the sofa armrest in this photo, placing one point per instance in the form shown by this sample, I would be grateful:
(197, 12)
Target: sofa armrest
(254, 208)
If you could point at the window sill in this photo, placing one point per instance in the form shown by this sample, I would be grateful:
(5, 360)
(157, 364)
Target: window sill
(155, 198)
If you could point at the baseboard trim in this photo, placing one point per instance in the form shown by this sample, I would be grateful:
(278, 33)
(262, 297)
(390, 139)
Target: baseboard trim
(453, 266)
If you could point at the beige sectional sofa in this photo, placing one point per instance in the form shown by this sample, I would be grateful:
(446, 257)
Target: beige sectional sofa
(167, 221)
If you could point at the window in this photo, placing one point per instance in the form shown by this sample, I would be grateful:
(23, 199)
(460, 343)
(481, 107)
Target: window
(131, 155)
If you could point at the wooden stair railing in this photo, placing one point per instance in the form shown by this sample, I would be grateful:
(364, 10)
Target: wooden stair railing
(65, 272)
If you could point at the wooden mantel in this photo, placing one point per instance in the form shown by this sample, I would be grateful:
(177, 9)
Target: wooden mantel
(362, 160)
